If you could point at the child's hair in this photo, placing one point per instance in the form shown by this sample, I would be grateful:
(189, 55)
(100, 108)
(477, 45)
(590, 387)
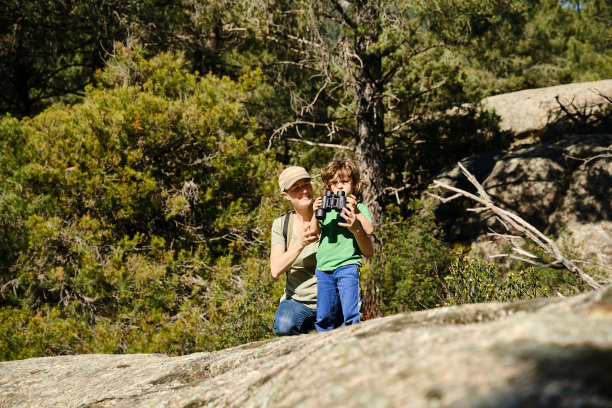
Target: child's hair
(343, 168)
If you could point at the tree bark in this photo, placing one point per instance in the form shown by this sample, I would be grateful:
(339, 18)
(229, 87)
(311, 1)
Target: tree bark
(370, 114)
(370, 122)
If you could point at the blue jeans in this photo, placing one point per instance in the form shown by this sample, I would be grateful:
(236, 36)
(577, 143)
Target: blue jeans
(292, 318)
(340, 286)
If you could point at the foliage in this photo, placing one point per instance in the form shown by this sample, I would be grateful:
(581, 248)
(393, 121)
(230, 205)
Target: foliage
(372, 68)
(137, 219)
(576, 121)
(557, 42)
(411, 260)
(136, 211)
(416, 269)
(50, 50)
(472, 280)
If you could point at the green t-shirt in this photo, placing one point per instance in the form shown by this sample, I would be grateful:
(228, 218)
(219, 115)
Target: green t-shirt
(338, 246)
(301, 283)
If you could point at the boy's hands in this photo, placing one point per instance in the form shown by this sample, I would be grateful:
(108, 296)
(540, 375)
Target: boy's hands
(317, 203)
(349, 214)
(352, 201)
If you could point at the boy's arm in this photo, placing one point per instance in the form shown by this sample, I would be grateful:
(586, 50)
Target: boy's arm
(368, 226)
(314, 223)
(354, 224)
(363, 240)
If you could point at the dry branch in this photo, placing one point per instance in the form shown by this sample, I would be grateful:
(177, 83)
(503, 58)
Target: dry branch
(517, 223)
(331, 127)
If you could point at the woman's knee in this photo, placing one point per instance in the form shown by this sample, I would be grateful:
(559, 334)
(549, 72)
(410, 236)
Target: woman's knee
(284, 326)
(293, 318)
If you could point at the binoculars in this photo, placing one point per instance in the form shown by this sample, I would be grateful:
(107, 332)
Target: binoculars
(331, 201)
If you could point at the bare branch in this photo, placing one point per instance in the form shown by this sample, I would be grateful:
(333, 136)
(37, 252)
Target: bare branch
(300, 65)
(606, 155)
(334, 146)
(331, 127)
(401, 125)
(394, 191)
(308, 108)
(527, 230)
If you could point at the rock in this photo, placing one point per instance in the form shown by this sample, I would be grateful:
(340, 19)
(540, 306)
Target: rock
(552, 186)
(554, 352)
(531, 110)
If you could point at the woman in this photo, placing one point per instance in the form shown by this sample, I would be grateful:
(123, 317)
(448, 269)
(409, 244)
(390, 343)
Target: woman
(296, 256)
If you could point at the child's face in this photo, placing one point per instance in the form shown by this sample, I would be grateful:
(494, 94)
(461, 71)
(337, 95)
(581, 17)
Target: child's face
(341, 182)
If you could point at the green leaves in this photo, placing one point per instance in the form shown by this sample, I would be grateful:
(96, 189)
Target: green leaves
(132, 207)
(547, 43)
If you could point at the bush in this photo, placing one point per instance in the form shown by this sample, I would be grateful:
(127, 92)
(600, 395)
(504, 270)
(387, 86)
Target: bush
(416, 269)
(131, 222)
(411, 260)
(472, 280)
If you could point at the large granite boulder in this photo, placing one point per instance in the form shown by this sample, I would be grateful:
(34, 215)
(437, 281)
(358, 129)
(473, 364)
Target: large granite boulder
(554, 352)
(554, 187)
(530, 110)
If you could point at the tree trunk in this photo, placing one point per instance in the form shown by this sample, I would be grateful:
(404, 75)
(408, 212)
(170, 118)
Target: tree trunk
(370, 151)
(370, 118)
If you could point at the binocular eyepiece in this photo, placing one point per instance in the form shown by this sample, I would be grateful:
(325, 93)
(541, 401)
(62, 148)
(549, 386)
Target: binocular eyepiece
(331, 201)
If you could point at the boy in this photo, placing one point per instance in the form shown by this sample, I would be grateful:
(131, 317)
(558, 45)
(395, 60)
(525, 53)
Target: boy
(344, 238)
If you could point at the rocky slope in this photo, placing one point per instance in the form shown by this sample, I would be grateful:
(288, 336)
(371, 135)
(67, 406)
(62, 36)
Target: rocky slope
(554, 352)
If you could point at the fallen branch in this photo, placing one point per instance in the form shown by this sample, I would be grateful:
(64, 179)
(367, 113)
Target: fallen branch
(512, 220)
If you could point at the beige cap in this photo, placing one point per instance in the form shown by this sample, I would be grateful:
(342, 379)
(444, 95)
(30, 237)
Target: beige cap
(290, 175)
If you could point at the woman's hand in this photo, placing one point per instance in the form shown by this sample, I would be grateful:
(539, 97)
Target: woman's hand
(307, 236)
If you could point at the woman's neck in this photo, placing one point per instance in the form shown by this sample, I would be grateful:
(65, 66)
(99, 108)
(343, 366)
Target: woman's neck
(304, 213)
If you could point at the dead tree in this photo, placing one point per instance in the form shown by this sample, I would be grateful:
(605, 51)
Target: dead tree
(511, 220)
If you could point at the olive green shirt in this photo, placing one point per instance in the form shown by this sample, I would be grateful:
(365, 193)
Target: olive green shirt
(301, 283)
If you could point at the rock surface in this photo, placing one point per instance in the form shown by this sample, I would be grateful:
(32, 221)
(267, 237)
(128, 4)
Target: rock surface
(531, 109)
(552, 186)
(554, 352)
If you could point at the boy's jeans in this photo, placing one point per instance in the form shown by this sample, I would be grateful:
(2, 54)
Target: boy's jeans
(292, 318)
(333, 288)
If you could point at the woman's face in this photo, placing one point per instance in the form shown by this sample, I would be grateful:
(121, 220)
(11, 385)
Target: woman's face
(300, 193)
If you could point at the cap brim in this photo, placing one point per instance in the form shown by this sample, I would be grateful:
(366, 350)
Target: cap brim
(295, 179)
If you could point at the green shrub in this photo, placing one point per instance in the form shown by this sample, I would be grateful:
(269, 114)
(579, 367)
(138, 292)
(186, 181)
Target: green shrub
(411, 259)
(131, 222)
(472, 280)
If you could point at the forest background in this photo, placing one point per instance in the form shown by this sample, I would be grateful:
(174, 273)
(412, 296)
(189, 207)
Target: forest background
(141, 141)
